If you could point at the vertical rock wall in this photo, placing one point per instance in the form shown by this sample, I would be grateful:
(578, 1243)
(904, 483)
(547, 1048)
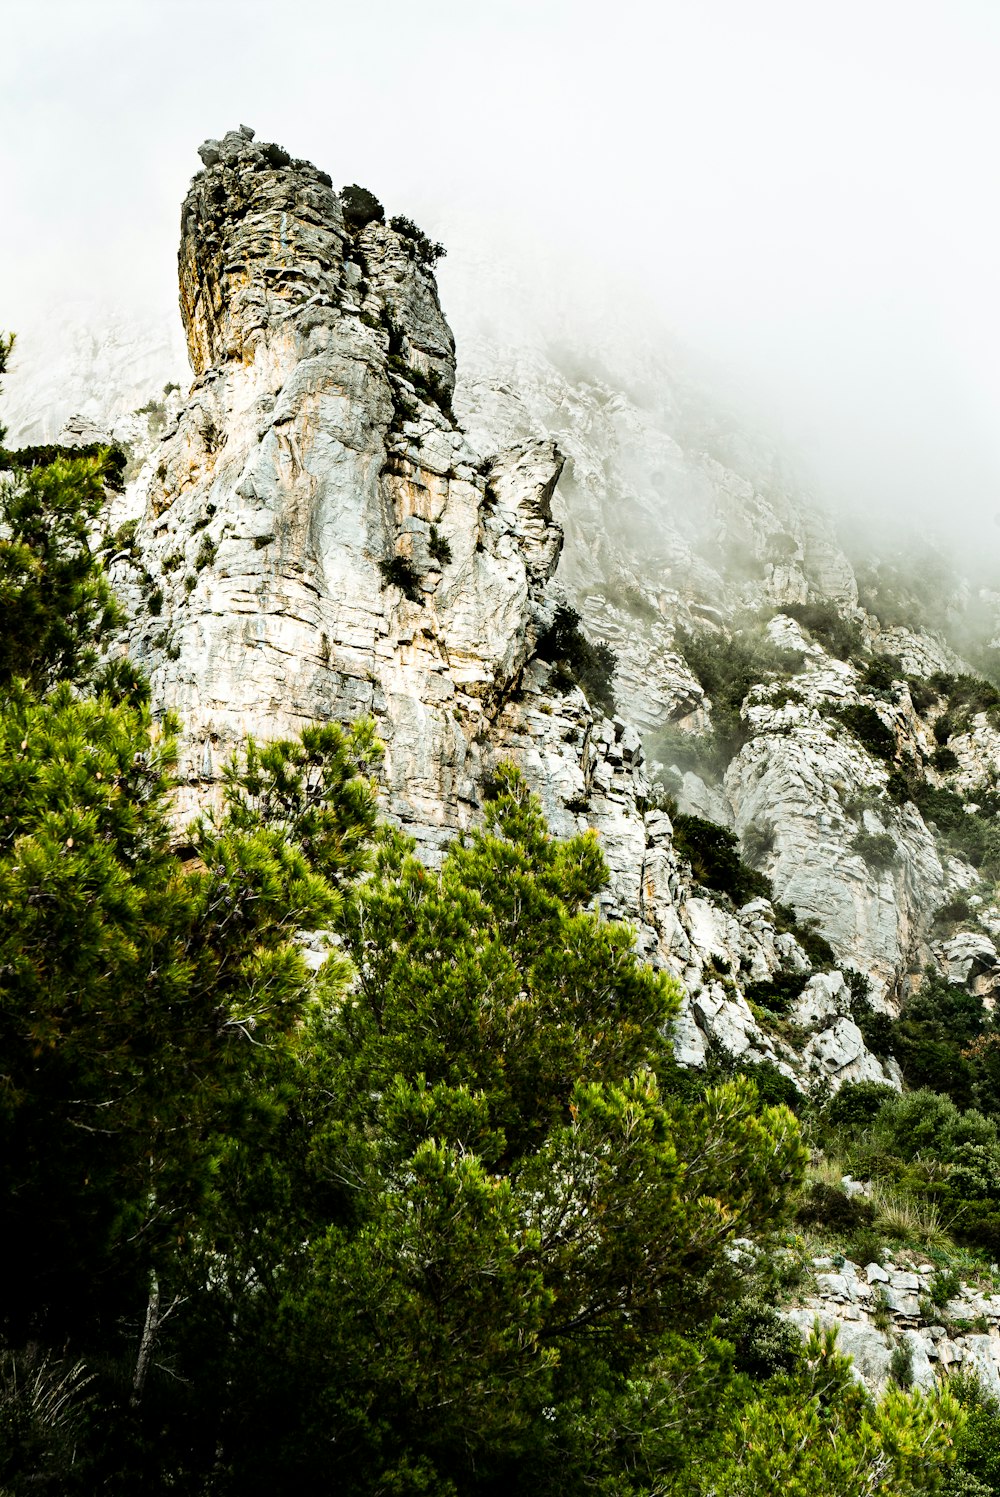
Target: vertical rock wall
(317, 539)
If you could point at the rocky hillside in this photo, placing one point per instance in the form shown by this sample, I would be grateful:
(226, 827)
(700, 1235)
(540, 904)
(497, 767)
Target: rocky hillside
(793, 797)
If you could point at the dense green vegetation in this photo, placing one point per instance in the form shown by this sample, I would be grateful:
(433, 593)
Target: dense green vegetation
(727, 668)
(399, 571)
(432, 1211)
(869, 729)
(424, 250)
(713, 853)
(360, 207)
(576, 661)
(839, 636)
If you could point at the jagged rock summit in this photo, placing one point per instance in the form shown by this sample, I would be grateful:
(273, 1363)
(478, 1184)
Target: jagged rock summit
(324, 540)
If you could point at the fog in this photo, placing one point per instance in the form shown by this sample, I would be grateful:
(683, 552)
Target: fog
(802, 194)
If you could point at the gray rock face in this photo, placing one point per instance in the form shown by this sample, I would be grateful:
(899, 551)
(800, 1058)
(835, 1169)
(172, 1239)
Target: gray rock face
(673, 521)
(846, 1302)
(866, 1346)
(795, 777)
(659, 530)
(317, 539)
(323, 538)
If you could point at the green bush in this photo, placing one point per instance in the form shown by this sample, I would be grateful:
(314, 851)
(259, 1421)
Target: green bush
(974, 836)
(978, 1442)
(953, 911)
(713, 852)
(276, 156)
(816, 947)
(943, 728)
(763, 1343)
(839, 636)
(971, 693)
(869, 729)
(827, 1206)
(776, 993)
(934, 1155)
(901, 1365)
(881, 672)
(124, 537)
(944, 1286)
(944, 759)
(423, 249)
(877, 849)
(439, 547)
(757, 842)
(922, 693)
(360, 207)
(399, 571)
(877, 1029)
(857, 1104)
(727, 667)
(932, 1036)
(578, 662)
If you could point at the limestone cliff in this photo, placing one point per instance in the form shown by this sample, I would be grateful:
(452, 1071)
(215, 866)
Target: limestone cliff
(321, 539)
(315, 536)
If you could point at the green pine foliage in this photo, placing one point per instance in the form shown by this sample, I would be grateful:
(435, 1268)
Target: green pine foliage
(577, 661)
(54, 600)
(498, 1200)
(131, 984)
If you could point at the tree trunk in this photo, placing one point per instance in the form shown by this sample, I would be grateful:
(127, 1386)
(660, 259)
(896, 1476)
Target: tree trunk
(148, 1341)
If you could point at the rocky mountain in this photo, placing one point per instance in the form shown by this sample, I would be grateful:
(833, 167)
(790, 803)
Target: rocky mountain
(331, 521)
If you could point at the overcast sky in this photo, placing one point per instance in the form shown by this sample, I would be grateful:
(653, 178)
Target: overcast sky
(806, 191)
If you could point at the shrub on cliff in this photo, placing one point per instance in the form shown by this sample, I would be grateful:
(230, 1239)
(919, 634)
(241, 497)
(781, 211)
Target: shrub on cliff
(424, 250)
(714, 854)
(577, 661)
(839, 636)
(727, 666)
(869, 729)
(360, 207)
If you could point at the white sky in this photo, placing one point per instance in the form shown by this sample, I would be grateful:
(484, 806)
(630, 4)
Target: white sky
(805, 189)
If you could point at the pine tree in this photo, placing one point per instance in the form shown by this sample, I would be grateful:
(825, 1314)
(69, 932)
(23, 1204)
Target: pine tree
(132, 987)
(497, 1212)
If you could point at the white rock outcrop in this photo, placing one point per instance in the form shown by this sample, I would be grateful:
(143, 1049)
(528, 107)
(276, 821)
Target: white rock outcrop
(877, 1309)
(317, 538)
